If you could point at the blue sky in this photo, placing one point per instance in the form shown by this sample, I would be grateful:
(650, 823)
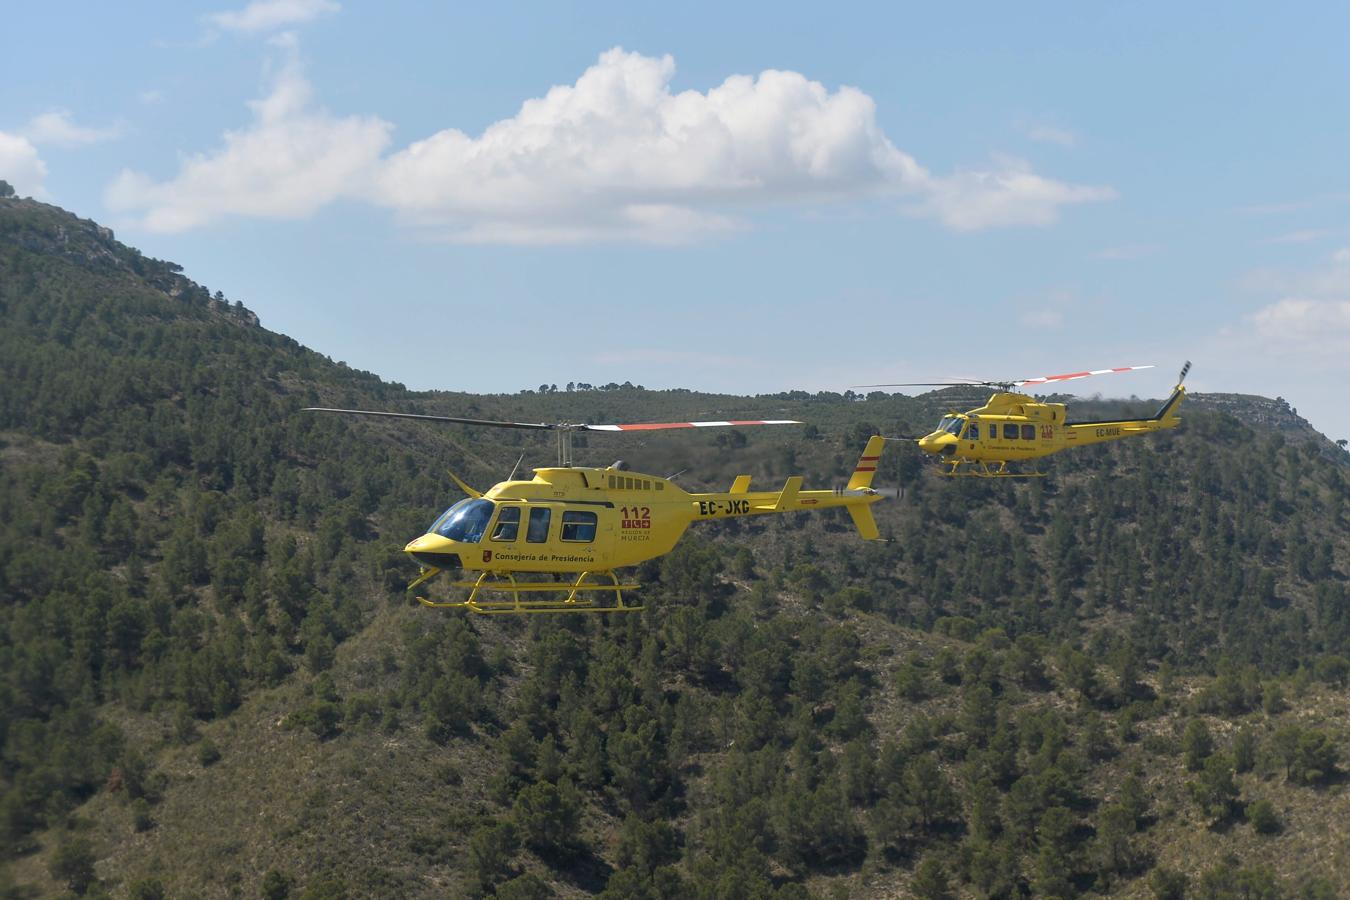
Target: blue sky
(740, 198)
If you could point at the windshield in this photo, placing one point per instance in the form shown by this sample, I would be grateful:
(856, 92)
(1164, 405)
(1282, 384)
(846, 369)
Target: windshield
(951, 424)
(464, 522)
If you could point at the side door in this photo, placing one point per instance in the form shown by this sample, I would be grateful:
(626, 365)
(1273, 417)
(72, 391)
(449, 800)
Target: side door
(505, 531)
(587, 530)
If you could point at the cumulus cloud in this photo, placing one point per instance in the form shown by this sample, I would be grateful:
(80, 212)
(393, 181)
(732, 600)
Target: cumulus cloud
(1007, 194)
(1127, 251)
(1295, 344)
(617, 155)
(1306, 321)
(1301, 236)
(1315, 317)
(290, 161)
(269, 15)
(59, 129)
(1051, 310)
(1049, 134)
(21, 166)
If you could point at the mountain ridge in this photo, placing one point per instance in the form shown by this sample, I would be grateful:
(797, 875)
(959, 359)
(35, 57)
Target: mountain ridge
(213, 683)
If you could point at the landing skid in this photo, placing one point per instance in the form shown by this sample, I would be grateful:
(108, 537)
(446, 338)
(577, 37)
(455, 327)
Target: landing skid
(516, 604)
(967, 469)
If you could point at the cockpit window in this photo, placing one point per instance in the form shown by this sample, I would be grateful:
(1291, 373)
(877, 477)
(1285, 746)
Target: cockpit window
(464, 522)
(951, 424)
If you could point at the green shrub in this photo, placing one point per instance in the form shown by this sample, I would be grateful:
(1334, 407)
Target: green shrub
(1263, 817)
(140, 815)
(207, 752)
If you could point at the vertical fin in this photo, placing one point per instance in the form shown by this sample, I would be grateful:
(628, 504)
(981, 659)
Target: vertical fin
(787, 498)
(867, 463)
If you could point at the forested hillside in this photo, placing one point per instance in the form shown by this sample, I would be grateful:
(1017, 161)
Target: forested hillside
(1127, 678)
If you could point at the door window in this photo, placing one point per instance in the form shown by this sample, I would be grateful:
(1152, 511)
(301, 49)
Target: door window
(508, 524)
(578, 525)
(537, 532)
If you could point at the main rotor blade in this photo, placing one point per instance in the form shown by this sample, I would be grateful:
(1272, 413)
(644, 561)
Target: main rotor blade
(657, 426)
(1044, 379)
(931, 384)
(639, 426)
(1070, 376)
(451, 419)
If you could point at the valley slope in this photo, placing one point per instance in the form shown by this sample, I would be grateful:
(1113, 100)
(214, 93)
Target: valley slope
(1126, 675)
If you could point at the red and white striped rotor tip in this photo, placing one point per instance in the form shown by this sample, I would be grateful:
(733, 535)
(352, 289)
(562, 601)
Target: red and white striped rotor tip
(1072, 376)
(658, 426)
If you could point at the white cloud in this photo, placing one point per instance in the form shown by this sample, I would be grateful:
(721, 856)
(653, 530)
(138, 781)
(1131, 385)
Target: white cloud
(269, 15)
(1050, 311)
(1321, 325)
(290, 161)
(1010, 194)
(58, 129)
(1127, 251)
(151, 97)
(21, 166)
(1295, 345)
(615, 156)
(1043, 318)
(1049, 134)
(619, 155)
(1327, 281)
(1302, 236)
(1312, 319)
(1321, 200)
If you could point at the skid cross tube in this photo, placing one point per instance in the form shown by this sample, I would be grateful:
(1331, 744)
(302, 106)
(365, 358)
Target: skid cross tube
(516, 602)
(962, 468)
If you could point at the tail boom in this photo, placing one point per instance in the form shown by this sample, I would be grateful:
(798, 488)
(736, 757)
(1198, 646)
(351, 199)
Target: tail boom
(1097, 432)
(856, 497)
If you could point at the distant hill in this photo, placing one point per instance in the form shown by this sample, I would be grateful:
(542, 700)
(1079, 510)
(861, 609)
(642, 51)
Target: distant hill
(1125, 676)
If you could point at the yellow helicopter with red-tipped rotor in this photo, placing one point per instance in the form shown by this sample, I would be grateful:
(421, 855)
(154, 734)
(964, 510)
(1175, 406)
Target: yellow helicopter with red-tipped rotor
(1015, 427)
(586, 522)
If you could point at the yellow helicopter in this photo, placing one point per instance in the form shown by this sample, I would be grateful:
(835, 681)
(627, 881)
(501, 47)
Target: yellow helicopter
(1014, 427)
(587, 522)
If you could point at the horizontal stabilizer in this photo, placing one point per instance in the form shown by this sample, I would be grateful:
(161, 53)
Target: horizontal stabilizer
(741, 485)
(862, 518)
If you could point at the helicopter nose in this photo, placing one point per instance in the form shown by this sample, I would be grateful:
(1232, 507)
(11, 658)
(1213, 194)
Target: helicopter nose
(943, 444)
(433, 550)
